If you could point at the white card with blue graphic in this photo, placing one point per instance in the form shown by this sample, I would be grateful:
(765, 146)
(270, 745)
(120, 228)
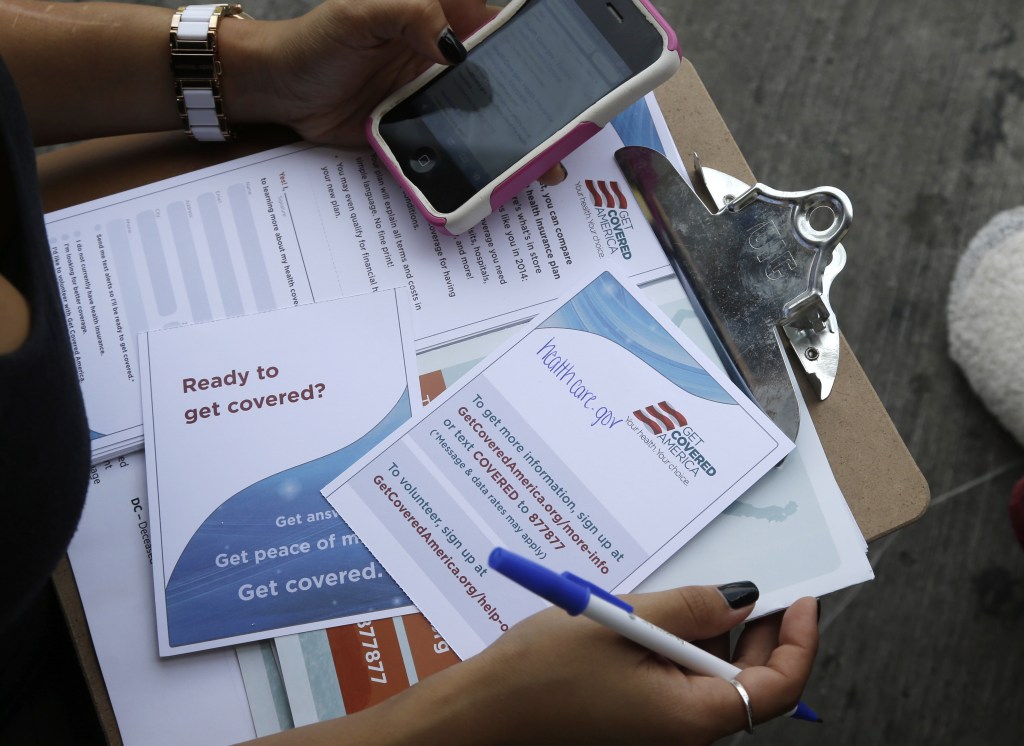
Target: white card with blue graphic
(245, 420)
(597, 442)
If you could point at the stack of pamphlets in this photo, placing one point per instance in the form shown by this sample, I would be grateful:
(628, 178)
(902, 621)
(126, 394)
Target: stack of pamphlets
(270, 329)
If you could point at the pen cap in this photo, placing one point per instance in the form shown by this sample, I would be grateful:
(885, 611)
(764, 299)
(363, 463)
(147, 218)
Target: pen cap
(545, 583)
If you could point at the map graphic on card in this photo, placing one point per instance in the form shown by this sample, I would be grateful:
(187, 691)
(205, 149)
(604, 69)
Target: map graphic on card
(598, 442)
(246, 419)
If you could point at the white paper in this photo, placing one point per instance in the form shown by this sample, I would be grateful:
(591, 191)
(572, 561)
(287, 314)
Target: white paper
(197, 699)
(543, 449)
(246, 419)
(300, 224)
(792, 533)
(789, 543)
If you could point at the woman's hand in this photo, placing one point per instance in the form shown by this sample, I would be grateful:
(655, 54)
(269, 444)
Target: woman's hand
(320, 74)
(323, 73)
(561, 679)
(567, 678)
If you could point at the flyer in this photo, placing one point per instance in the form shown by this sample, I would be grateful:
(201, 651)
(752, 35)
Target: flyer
(246, 419)
(598, 442)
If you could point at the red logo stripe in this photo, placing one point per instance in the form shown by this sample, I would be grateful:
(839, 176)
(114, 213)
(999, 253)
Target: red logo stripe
(607, 194)
(679, 417)
(647, 421)
(619, 194)
(661, 418)
(593, 193)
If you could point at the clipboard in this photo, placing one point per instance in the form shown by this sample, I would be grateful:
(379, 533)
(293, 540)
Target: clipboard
(875, 471)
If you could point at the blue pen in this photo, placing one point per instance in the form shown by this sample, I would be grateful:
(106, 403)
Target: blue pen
(578, 596)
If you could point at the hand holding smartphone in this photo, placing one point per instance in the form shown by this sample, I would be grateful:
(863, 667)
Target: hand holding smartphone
(538, 81)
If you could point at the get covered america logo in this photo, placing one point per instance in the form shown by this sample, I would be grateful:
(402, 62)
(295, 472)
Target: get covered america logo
(664, 430)
(606, 194)
(612, 218)
(660, 418)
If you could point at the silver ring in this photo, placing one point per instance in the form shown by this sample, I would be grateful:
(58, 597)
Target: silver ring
(746, 703)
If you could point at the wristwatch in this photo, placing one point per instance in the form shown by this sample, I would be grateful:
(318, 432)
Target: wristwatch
(196, 69)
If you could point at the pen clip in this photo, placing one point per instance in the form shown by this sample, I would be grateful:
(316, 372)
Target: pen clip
(598, 591)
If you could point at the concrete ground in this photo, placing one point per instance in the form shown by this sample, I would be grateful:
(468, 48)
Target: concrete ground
(915, 110)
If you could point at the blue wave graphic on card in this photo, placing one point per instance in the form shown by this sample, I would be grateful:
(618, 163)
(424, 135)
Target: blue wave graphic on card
(277, 554)
(635, 126)
(605, 308)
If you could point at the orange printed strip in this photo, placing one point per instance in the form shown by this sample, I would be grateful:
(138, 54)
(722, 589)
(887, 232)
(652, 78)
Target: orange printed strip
(430, 653)
(368, 661)
(432, 385)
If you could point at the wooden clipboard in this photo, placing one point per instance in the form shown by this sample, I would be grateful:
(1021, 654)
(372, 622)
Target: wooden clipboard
(876, 473)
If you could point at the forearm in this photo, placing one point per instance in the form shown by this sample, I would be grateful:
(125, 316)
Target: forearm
(94, 69)
(89, 69)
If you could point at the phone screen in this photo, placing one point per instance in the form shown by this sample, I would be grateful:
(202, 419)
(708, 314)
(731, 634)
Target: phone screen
(515, 89)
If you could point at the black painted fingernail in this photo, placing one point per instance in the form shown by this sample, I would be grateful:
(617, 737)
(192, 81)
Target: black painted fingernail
(738, 595)
(451, 47)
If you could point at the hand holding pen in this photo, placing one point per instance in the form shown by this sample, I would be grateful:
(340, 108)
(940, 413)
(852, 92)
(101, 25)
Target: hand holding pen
(557, 678)
(772, 661)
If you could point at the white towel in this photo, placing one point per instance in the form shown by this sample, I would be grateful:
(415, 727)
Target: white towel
(986, 329)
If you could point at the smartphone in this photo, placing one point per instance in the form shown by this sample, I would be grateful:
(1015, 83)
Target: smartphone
(538, 81)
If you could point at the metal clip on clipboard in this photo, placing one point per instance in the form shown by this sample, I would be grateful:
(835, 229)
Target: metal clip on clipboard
(752, 265)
